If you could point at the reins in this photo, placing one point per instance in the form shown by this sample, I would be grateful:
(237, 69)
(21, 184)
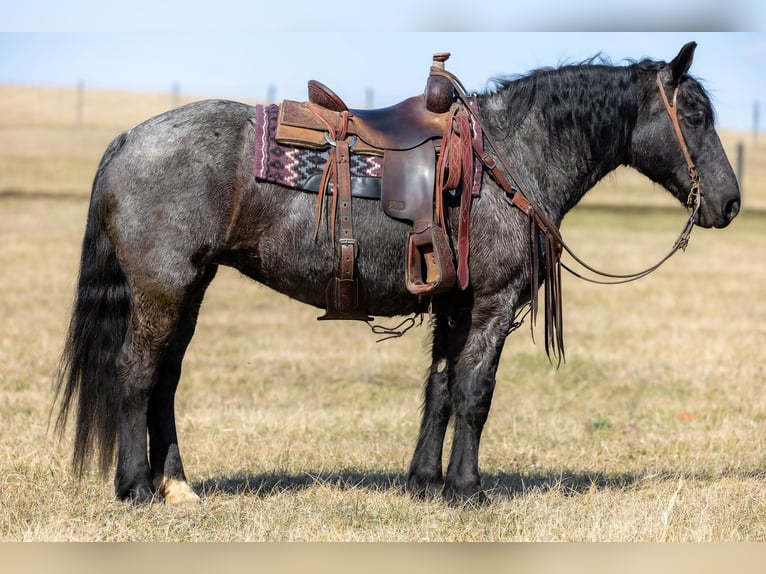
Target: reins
(692, 202)
(553, 243)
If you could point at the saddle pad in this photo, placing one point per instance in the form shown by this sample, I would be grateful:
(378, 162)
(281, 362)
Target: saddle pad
(300, 168)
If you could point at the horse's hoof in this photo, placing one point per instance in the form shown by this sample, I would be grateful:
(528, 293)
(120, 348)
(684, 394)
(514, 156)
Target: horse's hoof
(423, 487)
(138, 496)
(176, 491)
(471, 497)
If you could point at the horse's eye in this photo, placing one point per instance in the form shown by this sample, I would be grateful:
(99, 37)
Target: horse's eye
(696, 119)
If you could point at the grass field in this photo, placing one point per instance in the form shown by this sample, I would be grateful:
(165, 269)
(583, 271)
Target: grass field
(652, 430)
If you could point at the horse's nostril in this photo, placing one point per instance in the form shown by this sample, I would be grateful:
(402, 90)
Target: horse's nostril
(731, 210)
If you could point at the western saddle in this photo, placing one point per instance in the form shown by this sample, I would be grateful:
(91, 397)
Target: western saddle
(425, 143)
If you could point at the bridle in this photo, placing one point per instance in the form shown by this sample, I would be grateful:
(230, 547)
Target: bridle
(693, 201)
(672, 110)
(694, 198)
(552, 242)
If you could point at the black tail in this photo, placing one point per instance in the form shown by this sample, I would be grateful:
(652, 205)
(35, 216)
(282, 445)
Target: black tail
(87, 371)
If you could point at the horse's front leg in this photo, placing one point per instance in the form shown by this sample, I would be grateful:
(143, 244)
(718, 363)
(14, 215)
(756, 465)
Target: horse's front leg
(425, 475)
(472, 383)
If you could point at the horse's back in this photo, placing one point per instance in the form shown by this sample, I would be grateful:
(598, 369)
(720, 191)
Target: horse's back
(201, 136)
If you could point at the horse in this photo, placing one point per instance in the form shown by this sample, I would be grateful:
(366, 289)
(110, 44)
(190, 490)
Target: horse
(175, 197)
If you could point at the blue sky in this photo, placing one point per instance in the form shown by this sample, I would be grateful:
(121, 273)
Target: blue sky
(228, 50)
(352, 19)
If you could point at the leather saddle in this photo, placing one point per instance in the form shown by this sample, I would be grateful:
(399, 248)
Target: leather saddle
(399, 127)
(409, 136)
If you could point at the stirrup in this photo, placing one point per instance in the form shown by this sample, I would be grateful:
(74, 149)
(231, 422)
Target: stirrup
(429, 268)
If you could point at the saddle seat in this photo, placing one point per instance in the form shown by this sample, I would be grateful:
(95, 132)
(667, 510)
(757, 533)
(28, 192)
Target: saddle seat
(398, 127)
(402, 126)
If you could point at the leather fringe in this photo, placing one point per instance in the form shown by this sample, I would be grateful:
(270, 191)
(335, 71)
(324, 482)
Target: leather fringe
(551, 252)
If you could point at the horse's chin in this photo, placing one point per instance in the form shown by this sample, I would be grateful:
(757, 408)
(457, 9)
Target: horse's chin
(708, 219)
(703, 219)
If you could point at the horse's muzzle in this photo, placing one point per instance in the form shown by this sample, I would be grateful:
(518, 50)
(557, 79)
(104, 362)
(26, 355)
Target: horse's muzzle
(707, 217)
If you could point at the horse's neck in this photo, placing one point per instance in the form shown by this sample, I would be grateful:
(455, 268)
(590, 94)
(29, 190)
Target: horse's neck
(566, 137)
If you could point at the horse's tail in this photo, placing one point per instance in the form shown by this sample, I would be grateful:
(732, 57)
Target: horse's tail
(87, 373)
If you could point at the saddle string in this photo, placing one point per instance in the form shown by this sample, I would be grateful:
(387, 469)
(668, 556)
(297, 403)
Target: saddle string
(445, 178)
(453, 171)
(330, 171)
(397, 331)
(466, 197)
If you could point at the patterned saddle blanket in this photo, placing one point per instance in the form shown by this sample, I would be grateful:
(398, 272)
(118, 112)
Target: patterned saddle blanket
(301, 168)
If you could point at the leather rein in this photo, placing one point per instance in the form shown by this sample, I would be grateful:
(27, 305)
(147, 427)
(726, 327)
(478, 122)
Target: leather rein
(692, 202)
(552, 242)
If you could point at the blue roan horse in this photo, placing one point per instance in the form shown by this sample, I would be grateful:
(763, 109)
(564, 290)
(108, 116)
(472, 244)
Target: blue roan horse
(175, 197)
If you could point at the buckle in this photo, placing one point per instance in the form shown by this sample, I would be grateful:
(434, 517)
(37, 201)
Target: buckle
(343, 241)
(331, 141)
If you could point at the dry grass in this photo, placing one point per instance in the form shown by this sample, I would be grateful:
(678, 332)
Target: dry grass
(651, 431)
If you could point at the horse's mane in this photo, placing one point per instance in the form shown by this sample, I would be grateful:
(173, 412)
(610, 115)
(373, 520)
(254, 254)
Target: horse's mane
(567, 81)
(570, 100)
(501, 82)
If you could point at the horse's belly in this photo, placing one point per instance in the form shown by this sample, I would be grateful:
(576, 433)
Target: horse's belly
(286, 257)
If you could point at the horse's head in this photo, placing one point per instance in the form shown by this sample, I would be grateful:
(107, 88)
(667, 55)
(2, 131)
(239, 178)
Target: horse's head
(657, 149)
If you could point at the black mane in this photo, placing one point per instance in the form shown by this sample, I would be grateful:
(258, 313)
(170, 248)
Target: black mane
(590, 107)
(565, 96)
(500, 82)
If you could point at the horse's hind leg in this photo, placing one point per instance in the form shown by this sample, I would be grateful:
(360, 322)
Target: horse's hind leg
(157, 306)
(152, 323)
(164, 457)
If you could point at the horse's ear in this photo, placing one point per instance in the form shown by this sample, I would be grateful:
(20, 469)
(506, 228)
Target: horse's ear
(682, 62)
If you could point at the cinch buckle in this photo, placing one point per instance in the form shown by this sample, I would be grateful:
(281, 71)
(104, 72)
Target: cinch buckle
(330, 141)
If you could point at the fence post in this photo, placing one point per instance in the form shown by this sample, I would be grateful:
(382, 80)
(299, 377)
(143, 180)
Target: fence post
(79, 104)
(176, 95)
(740, 163)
